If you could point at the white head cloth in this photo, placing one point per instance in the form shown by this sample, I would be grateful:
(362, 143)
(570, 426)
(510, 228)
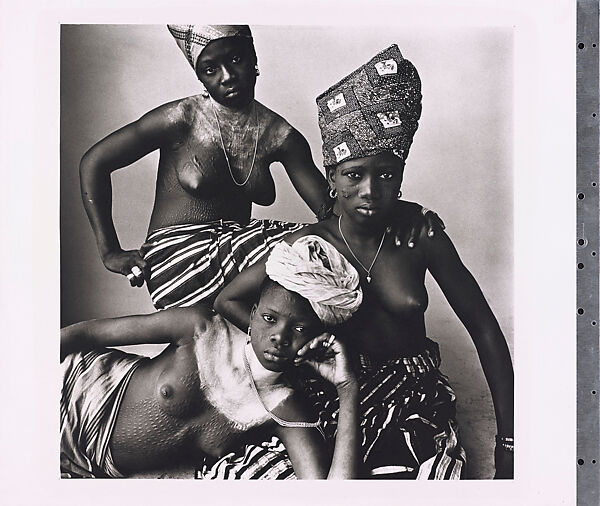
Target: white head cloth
(313, 268)
(192, 39)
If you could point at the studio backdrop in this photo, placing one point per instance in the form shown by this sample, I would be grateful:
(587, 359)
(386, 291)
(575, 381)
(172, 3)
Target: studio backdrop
(460, 163)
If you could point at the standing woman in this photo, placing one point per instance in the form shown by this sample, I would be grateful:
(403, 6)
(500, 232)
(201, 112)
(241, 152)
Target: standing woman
(367, 121)
(216, 149)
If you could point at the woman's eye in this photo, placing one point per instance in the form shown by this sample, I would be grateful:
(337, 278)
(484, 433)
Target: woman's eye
(209, 70)
(353, 175)
(299, 328)
(387, 175)
(268, 318)
(236, 59)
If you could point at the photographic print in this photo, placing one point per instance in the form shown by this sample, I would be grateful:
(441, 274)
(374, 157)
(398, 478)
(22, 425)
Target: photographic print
(334, 242)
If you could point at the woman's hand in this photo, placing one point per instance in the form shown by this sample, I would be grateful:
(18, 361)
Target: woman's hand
(130, 264)
(328, 357)
(504, 462)
(410, 219)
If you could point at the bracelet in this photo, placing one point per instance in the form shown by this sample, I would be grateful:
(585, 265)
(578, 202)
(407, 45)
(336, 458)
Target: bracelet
(507, 443)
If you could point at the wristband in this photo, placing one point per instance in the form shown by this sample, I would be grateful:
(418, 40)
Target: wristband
(507, 443)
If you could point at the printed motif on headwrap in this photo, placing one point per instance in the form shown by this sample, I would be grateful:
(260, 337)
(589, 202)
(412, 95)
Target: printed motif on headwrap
(313, 268)
(376, 108)
(192, 39)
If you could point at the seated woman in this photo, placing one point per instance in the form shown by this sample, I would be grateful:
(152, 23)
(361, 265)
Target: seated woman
(216, 149)
(214, 386)
(407, 408)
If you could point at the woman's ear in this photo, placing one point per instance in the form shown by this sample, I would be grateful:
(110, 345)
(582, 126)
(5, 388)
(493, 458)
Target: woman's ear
(331, 177)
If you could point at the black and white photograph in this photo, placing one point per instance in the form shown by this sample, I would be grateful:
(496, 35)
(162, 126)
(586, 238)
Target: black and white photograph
(301, 248)
(317, 107)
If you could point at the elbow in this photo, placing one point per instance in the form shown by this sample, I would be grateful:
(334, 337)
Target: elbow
(86, 164)
(220, 304)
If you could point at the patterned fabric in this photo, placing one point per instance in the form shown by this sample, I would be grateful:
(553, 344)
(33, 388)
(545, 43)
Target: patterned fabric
(189, 264)
(192, 39)
(267, 461)
(408, 426)
(374, 109)
(93, 387)
(313, 268)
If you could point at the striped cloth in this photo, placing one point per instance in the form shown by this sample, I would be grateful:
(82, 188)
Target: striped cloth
(189, 264)
(93, 387)
(408, 424)
(266, 461)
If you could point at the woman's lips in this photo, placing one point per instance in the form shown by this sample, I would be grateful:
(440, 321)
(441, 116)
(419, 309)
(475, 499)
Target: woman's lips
(272, 356)
(367, 210)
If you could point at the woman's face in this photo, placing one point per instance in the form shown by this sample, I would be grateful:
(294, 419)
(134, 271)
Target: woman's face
(226, 68)
(282, 323)
(368, 187)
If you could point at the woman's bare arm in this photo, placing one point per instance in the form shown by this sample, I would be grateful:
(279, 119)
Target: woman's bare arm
(236, 299)
(120, 149)
(469, 304)
(306, 447)
(309, 182)
(156, 328)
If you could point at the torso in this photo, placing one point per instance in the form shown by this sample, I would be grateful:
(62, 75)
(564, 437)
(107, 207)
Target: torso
(391, 320)
(194, 184)
(193, 399)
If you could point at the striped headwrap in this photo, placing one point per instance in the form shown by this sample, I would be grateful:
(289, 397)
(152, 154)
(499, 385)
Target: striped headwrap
(192, 39)
(374, 109)
(313, 268)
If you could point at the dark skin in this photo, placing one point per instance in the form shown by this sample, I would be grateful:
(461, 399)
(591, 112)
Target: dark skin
(193, 183)
(165, 418)
(395, 300)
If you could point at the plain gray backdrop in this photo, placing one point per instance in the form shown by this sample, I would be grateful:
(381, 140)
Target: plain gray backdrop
(460, 163)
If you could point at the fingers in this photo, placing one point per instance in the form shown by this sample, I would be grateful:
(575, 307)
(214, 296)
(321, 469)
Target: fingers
(412, 237)
(433, 221)
(137, 270)
(317, 348)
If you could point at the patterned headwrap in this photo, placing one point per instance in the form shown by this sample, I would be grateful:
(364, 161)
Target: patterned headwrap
(374, 109)
(313, 268)
(192, 39)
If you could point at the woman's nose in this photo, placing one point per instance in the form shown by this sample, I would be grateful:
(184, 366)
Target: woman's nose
(227, 74)
(368, 188)
(280, 337)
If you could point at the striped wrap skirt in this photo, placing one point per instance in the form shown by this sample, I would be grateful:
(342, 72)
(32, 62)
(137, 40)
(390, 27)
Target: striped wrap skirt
(189, 264)
(408, 425)
(94, 384)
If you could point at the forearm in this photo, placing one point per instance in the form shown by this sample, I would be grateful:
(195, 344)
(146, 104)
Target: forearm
(313, 191)
(497, 367)
(96, 193)
(346, 454)
(235, 311)
(74, 338)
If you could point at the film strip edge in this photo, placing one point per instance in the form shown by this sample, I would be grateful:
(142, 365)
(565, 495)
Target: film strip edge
(588, 367)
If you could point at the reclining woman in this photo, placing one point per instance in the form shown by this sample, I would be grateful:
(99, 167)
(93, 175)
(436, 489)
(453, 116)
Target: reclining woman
(407, 411)
(213, 387)
(215, 152)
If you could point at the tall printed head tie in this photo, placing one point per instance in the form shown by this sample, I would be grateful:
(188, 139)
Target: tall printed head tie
(374, 109)
(192, 39)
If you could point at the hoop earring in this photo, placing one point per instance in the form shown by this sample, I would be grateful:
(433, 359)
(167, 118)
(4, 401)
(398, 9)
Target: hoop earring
(248, 333)
(257, 70)
(333, 193)
(399, 195)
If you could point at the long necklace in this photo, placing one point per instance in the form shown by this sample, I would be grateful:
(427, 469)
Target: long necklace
(274, 417)
(368, 271)
(223, 144)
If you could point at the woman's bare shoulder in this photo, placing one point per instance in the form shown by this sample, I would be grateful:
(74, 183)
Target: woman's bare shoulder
(180, 111)
(273, 120)
(323, 229)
